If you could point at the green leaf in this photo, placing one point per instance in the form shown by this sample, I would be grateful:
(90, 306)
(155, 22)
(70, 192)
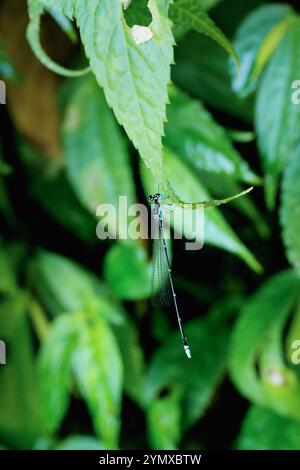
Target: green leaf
(120, 63)
(57, 198)
(8, 281)
(96, 157)
(20, 423)
(128, 271)
(52, 190)
(5, 204)
(190, 14)
(292, 340)
(99, 376)
(65, 24)
(208, 4)
(197, 379)
(126, 59)
(257, 362)
(36, 9)
(54, 366)
(202, 69)
(44, 443)
(243, 137)
(290, 209)
(164, 421)
(220, 185)
(38, 318)
(203, 144)
(133, 359)
(64, 286)
(269, 45)
(263, 429)
(79, 442)
(5, 169)
(16, 252)
(252, 41)
(137, 13)
(217, 232)
(70, 286)
(277, 117)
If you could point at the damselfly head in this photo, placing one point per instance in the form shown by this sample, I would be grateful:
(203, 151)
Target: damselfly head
(155, 197)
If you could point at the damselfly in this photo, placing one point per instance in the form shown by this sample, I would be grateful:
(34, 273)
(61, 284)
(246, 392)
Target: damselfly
(162, 282)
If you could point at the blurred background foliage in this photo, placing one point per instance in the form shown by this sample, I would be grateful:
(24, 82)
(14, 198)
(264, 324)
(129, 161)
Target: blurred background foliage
(90, 363)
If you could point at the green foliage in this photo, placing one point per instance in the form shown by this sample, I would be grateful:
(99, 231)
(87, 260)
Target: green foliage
(277, 132)
(65, 24)
(55, 371)
(122, 64)
(133, 358)
(128, 271)
(64, 286)
(83, 343)
(140, 108)
(290, 219)
(56, 196)
(169, 369)
(263, 430)
(189, 14)
(100, 174)
(123, 58)
(5, 205)
(251, 42)
(200, 142)
(79, 443)
(8, 280)
(202, 70)
(164, 422)
(137, 13)
(35, 11)
(257, 362)
(216, 230)
(20, 422)
(98, 374)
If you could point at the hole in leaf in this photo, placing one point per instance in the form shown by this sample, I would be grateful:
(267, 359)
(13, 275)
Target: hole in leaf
(138, 13)
(141, 34)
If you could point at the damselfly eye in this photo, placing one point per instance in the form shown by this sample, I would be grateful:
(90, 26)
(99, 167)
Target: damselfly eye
(154, 197)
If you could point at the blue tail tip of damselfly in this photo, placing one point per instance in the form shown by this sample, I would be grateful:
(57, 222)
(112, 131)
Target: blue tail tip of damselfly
(187, 351)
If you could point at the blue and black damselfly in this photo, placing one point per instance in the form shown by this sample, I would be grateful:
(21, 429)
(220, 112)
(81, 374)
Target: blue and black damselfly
(162, 281)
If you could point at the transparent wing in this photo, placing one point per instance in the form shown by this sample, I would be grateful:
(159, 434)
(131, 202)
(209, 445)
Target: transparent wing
(167, 208)
(160, 284)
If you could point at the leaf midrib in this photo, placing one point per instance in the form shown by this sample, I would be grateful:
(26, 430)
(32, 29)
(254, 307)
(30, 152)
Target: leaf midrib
(127, 46)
